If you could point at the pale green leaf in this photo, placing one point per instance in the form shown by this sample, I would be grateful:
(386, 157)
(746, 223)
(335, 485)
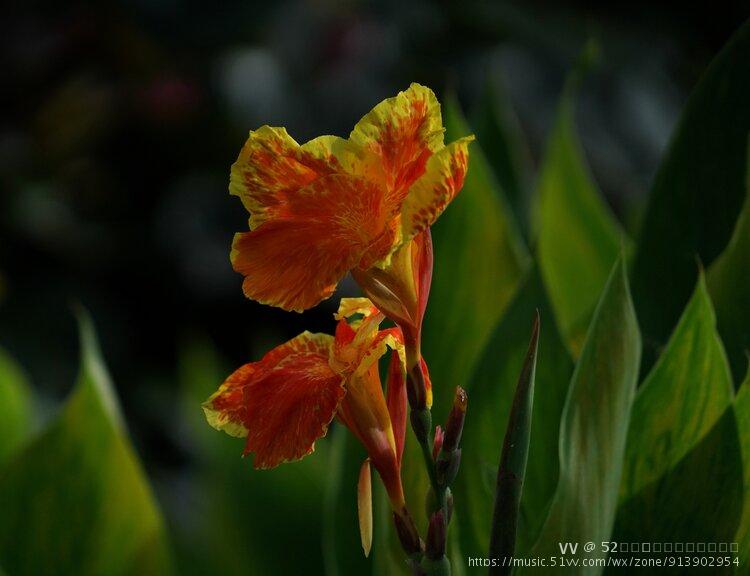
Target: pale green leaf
(15, 406)
(579, 238)
(594, 427)
(76, 500)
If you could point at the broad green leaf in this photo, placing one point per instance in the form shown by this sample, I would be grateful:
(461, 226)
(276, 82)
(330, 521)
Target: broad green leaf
(579, 238)
(594, 427)
(514, 457)
(742, 414)
(15, 406)
(75, 500)
(729, 284)
(237, 514)
(698, 500)
(685, 394)
(697, 193)
(507, 153)
(490, 399)
(479, 260)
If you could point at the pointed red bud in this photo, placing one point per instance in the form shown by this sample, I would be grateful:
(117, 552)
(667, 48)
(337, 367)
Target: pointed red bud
(455, 425)
(437, 443)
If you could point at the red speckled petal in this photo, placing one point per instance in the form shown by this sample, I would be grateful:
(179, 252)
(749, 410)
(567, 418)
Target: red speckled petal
(272, 168)
(403, 131)
(295, 260)
(283, 403)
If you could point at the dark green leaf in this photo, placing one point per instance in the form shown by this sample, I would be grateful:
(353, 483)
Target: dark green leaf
(697, 194)
(75, 500)
(579, 238)
(742, 414)
(682, 398)
(729, 284)
(514, 457)
(500, 136)
(15, 406)
(698, 500)
(594, 427)
(479, 260)
(490, 400)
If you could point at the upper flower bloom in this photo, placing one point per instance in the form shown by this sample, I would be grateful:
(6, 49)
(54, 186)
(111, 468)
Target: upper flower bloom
(332, 205)
(286, 401)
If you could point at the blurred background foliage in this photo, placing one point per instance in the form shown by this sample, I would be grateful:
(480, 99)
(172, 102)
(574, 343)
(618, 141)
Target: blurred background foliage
(120, 121)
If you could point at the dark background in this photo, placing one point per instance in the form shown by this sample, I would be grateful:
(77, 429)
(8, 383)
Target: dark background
(120, 121)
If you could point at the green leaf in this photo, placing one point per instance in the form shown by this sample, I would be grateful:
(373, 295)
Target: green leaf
(594, 427)
(251, 507)
(698, 500)
(682, 398)
(479, 260)
(742, 415)
(490, 400)
(697, 193)
(75, 500)
(513, 459)
(15, 406)
(501, 138)
(729, 284)
(579, 238)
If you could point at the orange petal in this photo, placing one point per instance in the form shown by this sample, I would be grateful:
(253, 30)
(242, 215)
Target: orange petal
(283, 403)
(272, 168)
(437, 187)
(403, 132)
(364, 506)
(295, 259)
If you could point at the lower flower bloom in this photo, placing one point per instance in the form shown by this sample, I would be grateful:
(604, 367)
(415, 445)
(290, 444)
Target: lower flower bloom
(286, 401)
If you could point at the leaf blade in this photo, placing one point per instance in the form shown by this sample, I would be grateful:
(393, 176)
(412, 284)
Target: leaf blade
(594, 426)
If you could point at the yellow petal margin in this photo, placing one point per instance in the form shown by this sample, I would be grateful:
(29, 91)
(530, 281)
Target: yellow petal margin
(436, 188)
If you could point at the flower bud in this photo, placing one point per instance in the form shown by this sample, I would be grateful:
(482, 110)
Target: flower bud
(416, 387)
(455, 425)
(446, 466)
(437, 443)
(436, 535)
(407, 533)
(421, 422)
(449, 504)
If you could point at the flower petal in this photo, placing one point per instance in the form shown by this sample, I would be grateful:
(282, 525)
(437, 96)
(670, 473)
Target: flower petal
(295, 259)
(403, 131)
(397, 402)
(272, 167)
(283, 403)
(440, 183)
(364, 506)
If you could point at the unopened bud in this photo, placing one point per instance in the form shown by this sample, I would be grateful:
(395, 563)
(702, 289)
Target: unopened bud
(449, 504)
(436, 535)
(455, 425)
(421, 422)
(407, 532)
(437, 443)
(416, 387)
(446, 466)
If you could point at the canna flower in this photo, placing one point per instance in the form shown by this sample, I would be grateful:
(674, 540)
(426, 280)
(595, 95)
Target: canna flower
(286, 401)
(362, 205)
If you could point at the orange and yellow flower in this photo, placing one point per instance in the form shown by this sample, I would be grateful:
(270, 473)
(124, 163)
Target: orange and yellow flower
(286, 401)
(362, 204)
